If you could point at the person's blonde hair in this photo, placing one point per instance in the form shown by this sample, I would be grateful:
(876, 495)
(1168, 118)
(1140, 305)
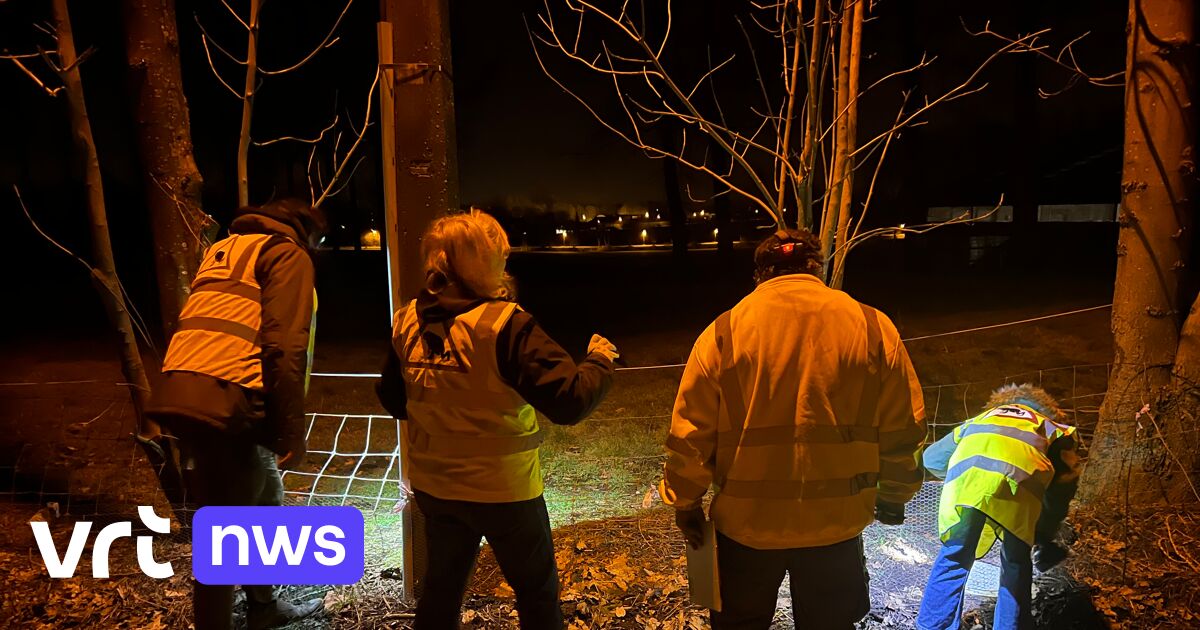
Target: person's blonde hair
(468, 249)
(1026, 394)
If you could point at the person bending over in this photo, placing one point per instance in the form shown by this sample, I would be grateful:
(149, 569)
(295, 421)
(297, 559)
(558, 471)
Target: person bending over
(1010, 473)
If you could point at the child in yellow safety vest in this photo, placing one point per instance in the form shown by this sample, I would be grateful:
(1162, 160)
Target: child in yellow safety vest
(1010, 474)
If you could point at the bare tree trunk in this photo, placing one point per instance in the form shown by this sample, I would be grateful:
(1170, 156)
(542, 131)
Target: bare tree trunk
(105, 269)
(845, 202)
(805, 216)
(675, 213)
(782, 178)
(165, 146)
(837, 175)
(1137, 455)
(243, 155)
(832, 189)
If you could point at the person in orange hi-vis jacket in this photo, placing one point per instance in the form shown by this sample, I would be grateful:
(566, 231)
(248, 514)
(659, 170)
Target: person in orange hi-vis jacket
(800, 408)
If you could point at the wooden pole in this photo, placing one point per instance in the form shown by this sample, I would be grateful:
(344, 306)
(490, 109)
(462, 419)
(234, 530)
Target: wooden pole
(411, 544)
(426, 156)
(425, 171)
(387, 125)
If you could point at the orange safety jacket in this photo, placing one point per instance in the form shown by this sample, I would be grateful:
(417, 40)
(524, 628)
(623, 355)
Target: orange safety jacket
(799, 407)
(218, 331)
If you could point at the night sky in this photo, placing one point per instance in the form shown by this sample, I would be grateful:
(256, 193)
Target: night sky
(520, 137)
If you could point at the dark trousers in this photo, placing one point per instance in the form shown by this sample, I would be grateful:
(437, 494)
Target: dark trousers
(519, 534)
(829, 585)
(220, 469)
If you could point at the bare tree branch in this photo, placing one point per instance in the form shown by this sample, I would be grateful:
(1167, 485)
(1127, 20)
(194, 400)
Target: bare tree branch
(328, 41)
(213, 67)
(50, 91)
(923, 228)
(319, 137)
(206, 38)
(330, 190)
(1064, 58)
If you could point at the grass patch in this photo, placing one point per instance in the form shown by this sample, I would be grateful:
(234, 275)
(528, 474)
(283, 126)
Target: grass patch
(604, 466)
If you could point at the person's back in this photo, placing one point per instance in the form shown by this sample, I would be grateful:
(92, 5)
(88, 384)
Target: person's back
(466, 371)
(800, 408)
(808, 361)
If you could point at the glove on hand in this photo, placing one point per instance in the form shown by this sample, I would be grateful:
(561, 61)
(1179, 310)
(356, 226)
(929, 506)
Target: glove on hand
(889, 513)
(600, 345)
(1046, 556)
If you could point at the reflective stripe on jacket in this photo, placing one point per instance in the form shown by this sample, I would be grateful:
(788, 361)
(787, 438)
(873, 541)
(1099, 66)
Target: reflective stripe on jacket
(218, 332)
(1001, 468)
(471, 435)
(799, 407)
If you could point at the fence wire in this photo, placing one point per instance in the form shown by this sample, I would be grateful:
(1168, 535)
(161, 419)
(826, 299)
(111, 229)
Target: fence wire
(94, 467)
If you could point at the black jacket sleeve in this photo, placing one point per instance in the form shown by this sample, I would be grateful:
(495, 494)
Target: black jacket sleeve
(546, 376)
(285, 273)
(1057, 499)
(390, 387)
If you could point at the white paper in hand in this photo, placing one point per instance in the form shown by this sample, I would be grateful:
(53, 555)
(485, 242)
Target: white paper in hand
(704, 587)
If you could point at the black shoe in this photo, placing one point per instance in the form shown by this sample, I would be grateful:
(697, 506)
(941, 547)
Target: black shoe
(280, 612)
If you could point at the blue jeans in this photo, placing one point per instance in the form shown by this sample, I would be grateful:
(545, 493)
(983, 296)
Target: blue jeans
(942, 605)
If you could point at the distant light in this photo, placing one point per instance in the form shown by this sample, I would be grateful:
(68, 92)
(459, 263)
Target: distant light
(370, 239)
(619, 219)
(645, 234)
(584, 217)
(647, 214)
(701, 213)
(715, 230)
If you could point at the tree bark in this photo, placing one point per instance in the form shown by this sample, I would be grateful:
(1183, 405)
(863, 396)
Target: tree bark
(1152, 286)
(173, 182)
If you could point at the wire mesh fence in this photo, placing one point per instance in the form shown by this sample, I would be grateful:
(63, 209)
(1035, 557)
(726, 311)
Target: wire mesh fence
(71, 443)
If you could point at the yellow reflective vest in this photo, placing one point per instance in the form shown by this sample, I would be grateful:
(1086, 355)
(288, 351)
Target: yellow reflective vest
(1001, 468)
(218, 330)
(471, 437)
(799, 408)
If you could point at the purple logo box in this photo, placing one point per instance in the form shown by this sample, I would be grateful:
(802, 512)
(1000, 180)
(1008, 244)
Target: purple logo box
(305, 545)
